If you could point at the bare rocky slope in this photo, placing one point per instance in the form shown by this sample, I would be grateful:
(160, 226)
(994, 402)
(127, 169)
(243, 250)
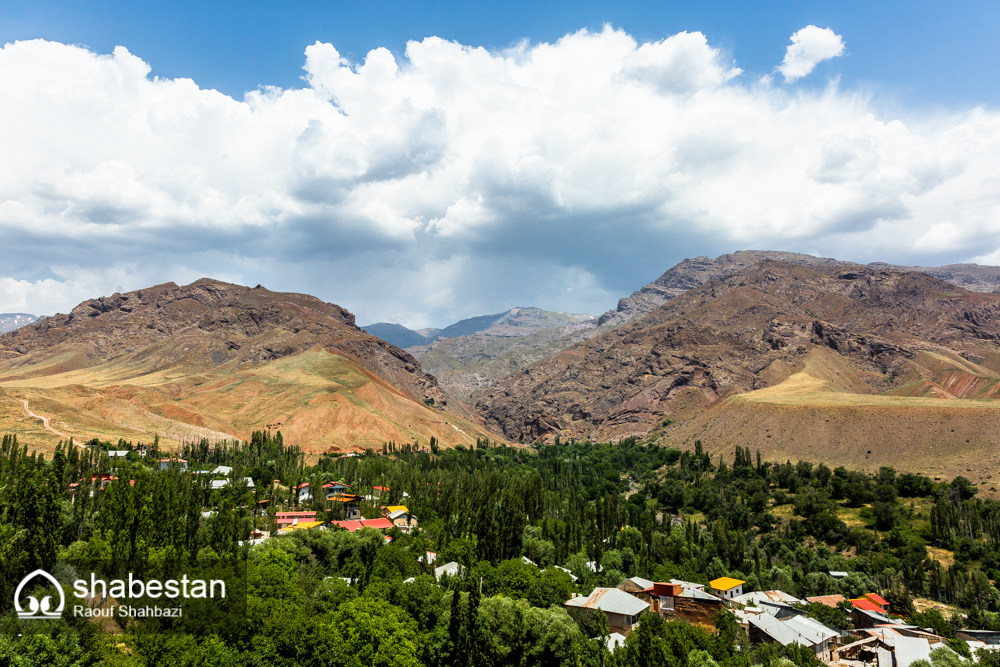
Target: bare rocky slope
(696, 271)
(464, 364)
(829, 341)
(205, 352)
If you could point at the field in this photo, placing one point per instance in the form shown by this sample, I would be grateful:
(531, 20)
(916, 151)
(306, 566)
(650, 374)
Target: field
(821, 412)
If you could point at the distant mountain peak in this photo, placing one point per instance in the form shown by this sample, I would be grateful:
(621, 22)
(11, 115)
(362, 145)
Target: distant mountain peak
(12, 321)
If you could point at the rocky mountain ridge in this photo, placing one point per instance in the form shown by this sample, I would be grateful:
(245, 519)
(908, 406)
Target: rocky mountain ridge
(890, 331)
(291, 355)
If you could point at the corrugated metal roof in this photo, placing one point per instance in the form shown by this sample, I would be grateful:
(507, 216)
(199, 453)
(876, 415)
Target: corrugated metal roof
(641, 583)
(766, 596)
(811, 629)
(778, 631)
(610, 600)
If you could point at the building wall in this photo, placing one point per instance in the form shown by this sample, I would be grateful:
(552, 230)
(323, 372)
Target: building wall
(695, 612)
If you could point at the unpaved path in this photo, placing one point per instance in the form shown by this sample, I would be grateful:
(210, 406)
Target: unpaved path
(45, 420)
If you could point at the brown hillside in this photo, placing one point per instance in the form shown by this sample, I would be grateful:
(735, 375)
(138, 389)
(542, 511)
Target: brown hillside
(217, 360)
(867, 348)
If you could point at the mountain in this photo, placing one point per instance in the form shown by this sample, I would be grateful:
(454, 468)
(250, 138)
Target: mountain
(396, 334)
(216, 360)
(11, 321)
(474, 353)
(697, 271)
(850, 363)
(694, 272)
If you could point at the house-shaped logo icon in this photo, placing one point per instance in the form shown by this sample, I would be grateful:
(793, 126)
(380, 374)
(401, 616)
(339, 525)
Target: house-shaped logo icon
(38, 609)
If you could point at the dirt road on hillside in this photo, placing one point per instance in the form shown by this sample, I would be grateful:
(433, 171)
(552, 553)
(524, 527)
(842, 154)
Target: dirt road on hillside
(45, 420)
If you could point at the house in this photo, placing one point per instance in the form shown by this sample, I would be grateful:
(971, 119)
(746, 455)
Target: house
(776, 603)
(620, 608)
(800, 630)
(300, 525)
(836, 574)
(351, 526)
(117, 454)
(988, 637)
(878, 601)
(303, 490)
(379, 490)
(828, 600)
(452, 569)
(430, 557)
(292, 518)
(382, 524)
(142, 450)
(726, 588)
(351, 503)
(220, 483)
(222, 471)
(335, 488)
(400, 517)
(614, 641)
(779, 597)
(863, 616)
(165, 463)
(637, 586)
(887, 645)
(689, 601)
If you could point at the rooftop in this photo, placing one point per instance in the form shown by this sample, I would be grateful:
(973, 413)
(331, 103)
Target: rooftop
(610, 600)
(725, 583)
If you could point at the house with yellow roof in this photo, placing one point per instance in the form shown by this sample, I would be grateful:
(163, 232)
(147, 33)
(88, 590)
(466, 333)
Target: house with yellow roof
(301, 525)
(726, 588)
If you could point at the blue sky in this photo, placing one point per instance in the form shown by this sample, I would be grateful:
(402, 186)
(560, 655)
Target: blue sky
(920, 52)
(411, 176)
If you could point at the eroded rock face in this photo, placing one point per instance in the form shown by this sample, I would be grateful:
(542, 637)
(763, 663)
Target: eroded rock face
(208, 322)
(725, 335)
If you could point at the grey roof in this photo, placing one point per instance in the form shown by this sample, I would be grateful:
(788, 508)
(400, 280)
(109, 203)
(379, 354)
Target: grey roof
(836, 574)
(757, 597)
(398, 514)
(615, 639)
(778, 631)
(117, 453)
(884, 657)
(908, 650)
(811, 629)
(219, 483)
(610, 600)
(641, 583)
(878, 618)
(451, 569)
(222, 470)
(694, 591)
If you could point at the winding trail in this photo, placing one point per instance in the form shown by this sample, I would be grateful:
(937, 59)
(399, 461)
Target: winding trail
(45, 420)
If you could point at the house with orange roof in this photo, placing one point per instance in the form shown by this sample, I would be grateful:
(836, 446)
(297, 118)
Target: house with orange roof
(877, 599)
(726, 588)
(828, 600)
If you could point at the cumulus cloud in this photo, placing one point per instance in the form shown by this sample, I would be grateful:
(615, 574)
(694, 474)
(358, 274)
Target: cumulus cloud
(458, 181)
(810, 46)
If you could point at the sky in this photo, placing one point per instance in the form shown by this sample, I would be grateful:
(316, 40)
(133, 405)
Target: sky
(424, 162)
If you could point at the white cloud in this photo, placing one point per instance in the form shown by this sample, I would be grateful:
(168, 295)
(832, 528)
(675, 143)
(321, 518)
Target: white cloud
(810, 46)
(459, 181)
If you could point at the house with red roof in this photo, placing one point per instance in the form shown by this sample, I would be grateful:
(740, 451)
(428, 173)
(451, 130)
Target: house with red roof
(877, 599)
